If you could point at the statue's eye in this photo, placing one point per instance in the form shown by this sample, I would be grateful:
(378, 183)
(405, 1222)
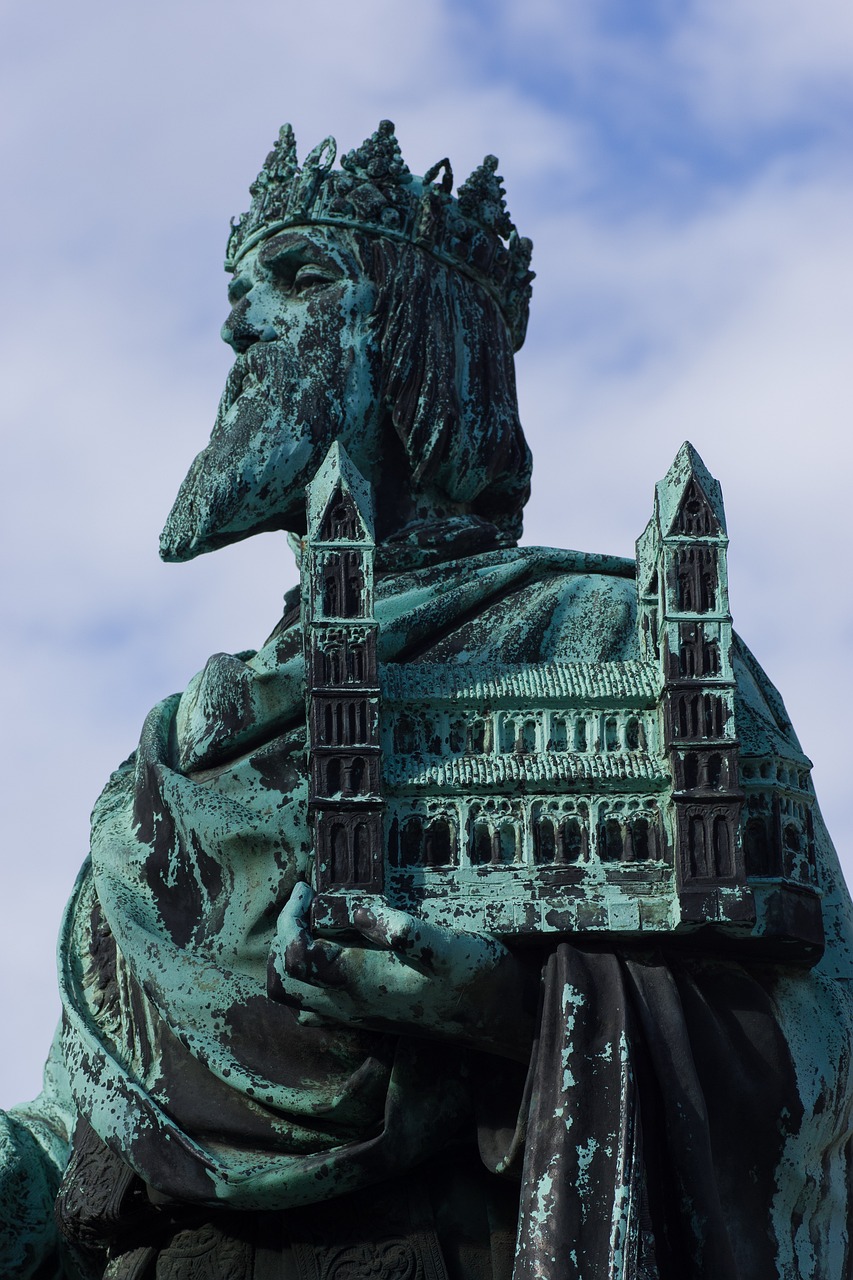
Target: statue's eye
(238, 288)
(312, 276)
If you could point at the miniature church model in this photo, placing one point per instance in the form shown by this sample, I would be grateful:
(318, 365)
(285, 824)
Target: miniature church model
(561, 798)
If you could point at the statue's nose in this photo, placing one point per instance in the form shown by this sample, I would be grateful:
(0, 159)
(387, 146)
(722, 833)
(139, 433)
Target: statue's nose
(241, 330)
(238, 330)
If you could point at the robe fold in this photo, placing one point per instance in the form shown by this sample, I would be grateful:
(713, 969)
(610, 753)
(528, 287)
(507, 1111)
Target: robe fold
(217, 1095)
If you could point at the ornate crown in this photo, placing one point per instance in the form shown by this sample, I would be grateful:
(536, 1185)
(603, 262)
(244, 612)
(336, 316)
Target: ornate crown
(374, 191)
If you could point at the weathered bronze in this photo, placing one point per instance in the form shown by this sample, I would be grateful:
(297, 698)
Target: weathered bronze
(482, 923)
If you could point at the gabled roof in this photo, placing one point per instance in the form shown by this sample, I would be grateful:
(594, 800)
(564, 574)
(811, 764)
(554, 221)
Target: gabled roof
(527, 772)
(338, 474)
(671, 491)
(634, 683)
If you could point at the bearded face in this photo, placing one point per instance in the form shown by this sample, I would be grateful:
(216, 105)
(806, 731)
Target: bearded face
(306, 372)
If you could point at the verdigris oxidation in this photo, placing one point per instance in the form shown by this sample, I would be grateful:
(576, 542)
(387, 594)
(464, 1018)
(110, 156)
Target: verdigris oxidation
(482, 923)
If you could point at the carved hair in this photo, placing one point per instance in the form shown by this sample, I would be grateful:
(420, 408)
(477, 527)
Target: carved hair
(448, 380)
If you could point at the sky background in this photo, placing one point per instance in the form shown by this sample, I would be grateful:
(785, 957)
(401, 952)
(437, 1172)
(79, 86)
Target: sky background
(685, 173)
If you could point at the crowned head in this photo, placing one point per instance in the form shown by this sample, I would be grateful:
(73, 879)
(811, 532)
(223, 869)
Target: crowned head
(374, 192)
(373, 307)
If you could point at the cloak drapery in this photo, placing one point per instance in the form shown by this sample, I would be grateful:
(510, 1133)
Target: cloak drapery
(215, 1094)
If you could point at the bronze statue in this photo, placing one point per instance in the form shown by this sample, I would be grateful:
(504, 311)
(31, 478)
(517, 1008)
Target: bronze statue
(482, 923)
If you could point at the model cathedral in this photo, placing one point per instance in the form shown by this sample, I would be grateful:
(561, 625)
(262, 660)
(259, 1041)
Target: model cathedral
(567, 798)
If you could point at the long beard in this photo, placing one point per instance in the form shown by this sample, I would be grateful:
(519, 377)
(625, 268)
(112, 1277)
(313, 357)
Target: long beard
(266, 442)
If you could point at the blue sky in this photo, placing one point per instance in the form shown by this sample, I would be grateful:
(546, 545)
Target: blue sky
(685, 173)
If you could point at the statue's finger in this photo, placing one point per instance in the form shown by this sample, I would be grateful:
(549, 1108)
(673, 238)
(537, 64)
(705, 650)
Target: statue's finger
(384, 926)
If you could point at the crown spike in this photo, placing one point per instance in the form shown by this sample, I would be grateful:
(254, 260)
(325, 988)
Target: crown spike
(322, 157)
(434, 170)
(481, 197)
(379, 158)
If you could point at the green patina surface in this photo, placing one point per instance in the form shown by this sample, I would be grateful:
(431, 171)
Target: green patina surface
(308, 940)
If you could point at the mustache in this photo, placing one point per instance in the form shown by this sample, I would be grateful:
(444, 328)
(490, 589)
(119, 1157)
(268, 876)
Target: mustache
(268, 368)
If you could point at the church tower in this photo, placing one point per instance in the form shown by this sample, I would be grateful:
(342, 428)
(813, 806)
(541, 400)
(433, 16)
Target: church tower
(685, 626)
(342, 680)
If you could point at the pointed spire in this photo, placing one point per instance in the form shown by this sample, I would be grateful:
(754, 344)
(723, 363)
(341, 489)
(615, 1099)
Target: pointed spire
(688, 479)
(339, 474)
(481, 198)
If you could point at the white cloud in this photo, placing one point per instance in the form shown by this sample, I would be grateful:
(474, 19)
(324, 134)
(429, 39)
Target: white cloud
(754, 62)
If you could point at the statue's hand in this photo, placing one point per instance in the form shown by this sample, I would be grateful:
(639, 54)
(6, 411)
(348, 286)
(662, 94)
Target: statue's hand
(399, 973)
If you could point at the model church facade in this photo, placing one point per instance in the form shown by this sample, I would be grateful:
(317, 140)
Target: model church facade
(563, 797)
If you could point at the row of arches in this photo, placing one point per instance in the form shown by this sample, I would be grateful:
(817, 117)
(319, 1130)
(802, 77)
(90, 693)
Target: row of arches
(706, 771)
(708, 850)
(346, 855)
(696, 579)
(518, 734)
(346, 722)
(346, 776)
(767, 855)
(697, 654)
(347, 661)
(498, 839)
(698, 715)
(343, 586)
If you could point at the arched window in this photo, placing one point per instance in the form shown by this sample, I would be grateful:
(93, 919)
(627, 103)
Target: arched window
(528, 736)
(481, 844)
(722, 847)
(759, 860)
(711, 659)
(712, 716)
(792, 839)
(715, 771)
(333, 776)
(698, 855)
(341, 868)
(334, 673)
(438, 844)
(580, 734)
(559, 734)
(361, 854)
(544, 843)
(572, 840)
(477, 737)
(611, 844)
(632, 734)
(355, 664)
(456, 737)
(691, 770)
(505, 844)
(353, 585)
(640, 834)
(357, 776)
(411, 843)
(331, 594)
(342, 520)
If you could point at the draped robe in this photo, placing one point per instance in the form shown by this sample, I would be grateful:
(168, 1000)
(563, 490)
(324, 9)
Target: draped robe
(216, 1095)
